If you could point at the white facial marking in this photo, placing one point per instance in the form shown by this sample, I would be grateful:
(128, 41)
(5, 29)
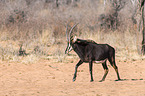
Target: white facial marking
(70, 49)
(75, 39)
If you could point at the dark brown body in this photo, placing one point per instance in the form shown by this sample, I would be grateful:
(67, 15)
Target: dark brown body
(89, 52)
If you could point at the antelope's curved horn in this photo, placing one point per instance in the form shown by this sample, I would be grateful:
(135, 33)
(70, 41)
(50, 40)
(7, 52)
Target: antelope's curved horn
(66, 33)
(71, 30)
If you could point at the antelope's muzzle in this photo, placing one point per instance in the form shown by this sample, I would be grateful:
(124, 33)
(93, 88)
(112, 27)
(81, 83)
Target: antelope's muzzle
(68, 48)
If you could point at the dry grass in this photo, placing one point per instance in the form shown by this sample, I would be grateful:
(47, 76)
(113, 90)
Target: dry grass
(43, 28)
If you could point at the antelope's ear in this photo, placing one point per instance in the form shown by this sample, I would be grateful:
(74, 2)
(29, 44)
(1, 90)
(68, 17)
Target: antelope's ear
(75, 39)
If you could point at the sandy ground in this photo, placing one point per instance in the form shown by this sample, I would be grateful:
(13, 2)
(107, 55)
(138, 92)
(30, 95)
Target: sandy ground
(45, 78)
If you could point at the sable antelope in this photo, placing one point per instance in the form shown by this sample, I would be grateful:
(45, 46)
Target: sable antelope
(91, 52)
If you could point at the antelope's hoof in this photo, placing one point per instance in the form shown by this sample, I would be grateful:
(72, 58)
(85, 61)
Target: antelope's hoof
(91, 80)
(74, 79)
(118, 80)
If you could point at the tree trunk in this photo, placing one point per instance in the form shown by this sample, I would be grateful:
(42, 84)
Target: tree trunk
(57, 5)
(143, 31)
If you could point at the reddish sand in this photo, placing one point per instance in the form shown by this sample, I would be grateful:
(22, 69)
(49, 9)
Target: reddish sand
(45, 78)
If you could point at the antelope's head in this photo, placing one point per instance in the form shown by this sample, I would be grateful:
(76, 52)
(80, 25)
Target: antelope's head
(70, 39)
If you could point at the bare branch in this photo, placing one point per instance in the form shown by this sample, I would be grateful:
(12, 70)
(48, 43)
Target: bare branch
(104, 2)
(133, 1)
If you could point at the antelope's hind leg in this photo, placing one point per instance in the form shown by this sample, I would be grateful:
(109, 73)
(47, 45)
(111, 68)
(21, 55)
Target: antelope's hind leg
(106, 71)
(113, 64)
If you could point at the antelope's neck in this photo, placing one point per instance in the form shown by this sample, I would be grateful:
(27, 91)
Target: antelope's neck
(79, 50)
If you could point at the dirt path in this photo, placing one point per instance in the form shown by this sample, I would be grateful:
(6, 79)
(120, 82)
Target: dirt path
(55, 79)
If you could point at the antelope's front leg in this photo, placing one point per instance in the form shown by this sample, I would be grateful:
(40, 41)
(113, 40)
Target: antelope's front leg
(90, 67)
(77, 65)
